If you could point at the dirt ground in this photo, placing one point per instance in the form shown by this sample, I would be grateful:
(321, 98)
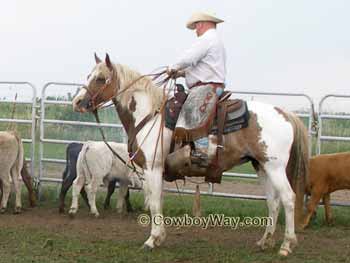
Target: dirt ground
(113, 228)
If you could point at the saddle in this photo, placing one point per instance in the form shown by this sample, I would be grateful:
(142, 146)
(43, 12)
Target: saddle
(228, 115)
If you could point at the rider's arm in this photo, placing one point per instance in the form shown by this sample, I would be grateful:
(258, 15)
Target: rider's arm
(192, 55)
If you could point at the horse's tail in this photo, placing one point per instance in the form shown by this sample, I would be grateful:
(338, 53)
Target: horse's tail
(298, 164)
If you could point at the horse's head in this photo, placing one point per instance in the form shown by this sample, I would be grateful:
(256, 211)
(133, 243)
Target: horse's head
(100, 87)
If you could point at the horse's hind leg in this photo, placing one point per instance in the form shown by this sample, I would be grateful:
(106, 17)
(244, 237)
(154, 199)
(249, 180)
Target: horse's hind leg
(273, 204)
(17, 185)
(278, 177)
(6, 189)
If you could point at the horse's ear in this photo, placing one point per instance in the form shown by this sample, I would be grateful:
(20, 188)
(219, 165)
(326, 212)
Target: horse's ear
(97, 59)
(108, 62)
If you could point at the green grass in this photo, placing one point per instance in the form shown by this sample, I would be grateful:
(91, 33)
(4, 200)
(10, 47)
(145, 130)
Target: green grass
(32, 243)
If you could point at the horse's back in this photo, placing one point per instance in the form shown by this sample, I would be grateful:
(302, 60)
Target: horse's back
(275, 129)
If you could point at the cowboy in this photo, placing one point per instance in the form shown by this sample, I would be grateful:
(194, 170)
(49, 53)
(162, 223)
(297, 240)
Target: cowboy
(203, 66)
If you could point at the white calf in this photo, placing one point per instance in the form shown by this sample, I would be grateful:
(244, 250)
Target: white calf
(96, 163)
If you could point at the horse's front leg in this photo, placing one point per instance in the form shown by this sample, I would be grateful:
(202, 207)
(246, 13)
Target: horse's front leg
(154, 195)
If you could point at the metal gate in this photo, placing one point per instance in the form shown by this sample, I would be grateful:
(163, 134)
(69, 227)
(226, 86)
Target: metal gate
(29, 121)
(45, 121)
(323, 116)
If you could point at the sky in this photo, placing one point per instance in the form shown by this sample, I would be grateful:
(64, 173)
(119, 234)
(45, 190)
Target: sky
(299, 46)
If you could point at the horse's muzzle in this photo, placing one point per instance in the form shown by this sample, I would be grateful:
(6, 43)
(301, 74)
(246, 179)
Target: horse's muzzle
(83, 105)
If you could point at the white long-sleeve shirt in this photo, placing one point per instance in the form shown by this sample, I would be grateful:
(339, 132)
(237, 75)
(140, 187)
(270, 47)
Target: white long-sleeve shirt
(204, 61)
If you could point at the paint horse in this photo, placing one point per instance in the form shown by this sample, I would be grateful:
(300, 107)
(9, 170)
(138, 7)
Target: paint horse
(275, 142)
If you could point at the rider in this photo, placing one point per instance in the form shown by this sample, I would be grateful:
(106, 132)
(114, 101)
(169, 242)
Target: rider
(204, 63)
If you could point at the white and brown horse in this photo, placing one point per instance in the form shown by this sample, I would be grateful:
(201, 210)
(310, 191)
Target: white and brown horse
(275, 142)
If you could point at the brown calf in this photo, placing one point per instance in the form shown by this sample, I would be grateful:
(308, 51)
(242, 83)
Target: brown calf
(327, 173)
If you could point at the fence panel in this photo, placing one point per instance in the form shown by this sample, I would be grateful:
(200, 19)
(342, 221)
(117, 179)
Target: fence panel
(16, 96)
(340, 116)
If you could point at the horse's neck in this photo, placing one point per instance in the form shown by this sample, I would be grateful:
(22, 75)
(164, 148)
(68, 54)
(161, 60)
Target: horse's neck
(135, 107)
(138, 101)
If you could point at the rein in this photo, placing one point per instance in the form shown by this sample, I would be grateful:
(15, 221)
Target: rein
(133, 168)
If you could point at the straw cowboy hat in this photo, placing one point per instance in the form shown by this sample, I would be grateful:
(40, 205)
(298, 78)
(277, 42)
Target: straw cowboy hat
(201, 16)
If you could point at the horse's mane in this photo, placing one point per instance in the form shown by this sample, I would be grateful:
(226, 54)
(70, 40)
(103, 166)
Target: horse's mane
(126, 76)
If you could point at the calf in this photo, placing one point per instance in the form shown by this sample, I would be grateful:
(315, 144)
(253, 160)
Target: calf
(11, 164)
(70, 173)
(28, 182)
(96, 163)
(327, 173)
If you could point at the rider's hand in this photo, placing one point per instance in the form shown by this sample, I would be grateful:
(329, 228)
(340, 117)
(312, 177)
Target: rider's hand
(172, 73)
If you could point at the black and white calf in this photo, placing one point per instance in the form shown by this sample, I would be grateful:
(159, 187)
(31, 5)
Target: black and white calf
(70, 173)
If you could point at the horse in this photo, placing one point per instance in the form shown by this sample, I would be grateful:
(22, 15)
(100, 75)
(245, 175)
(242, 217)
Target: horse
(327, 173)
(70, 173)
(11, 164)
(96, 163)
(275, 141)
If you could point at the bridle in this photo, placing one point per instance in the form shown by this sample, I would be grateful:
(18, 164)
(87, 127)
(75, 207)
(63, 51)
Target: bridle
(117, 92)
(108, 83)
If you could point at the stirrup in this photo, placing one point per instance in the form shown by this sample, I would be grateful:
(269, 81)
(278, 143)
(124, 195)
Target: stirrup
(200, 158)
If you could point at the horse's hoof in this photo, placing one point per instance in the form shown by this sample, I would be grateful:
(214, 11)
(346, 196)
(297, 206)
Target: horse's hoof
(284, 252)
(61, 210)
(17, 210)
(2, 210)
(265, 244)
